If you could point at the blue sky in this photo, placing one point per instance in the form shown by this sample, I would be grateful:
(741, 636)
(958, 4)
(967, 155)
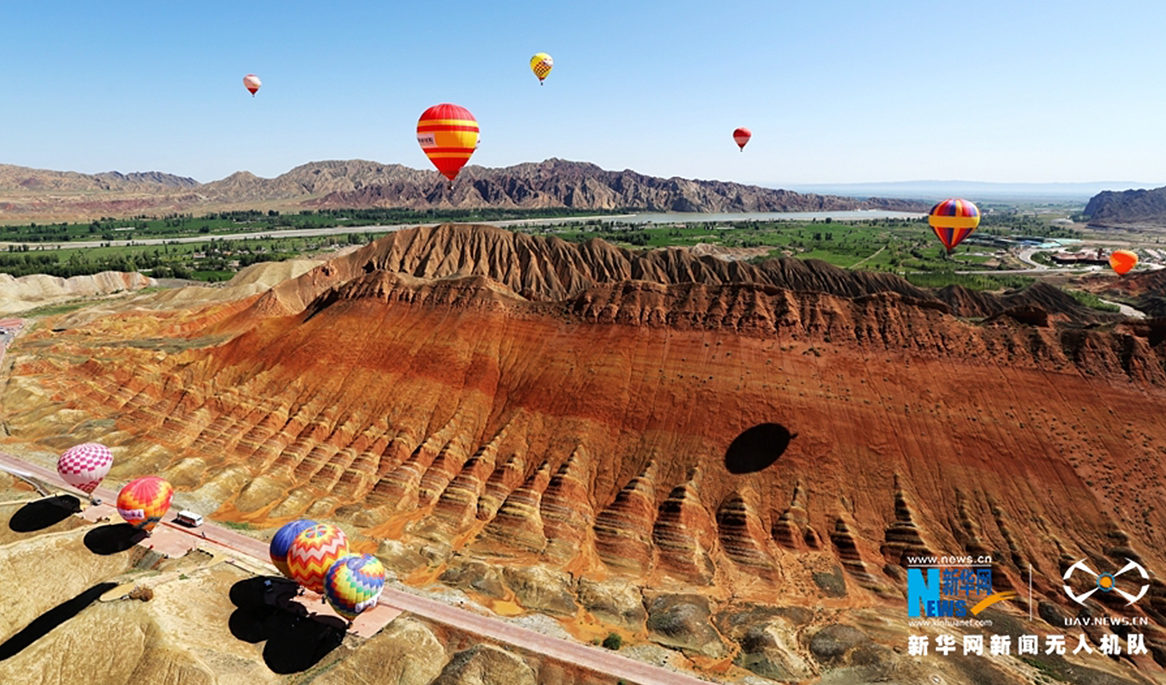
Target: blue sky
(835, 91)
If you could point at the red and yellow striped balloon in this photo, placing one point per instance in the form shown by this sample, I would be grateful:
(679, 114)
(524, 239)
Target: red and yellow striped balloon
(953, 220)
(143, 502)
(313, 552)
(449, 135)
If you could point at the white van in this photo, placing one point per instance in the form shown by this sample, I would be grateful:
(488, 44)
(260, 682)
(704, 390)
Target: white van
(189, 518)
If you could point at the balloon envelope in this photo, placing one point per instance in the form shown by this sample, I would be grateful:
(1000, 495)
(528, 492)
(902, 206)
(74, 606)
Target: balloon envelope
(282, 541)
(448, 134)
(354, 584)
(143, 502)
(84, 466)
(541, 65)
(953, 220)
(742, 136)
(1122, 261)
(313, 552)
(252, 83)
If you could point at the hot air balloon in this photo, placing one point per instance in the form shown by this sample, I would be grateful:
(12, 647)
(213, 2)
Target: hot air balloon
(85, 465)
(354, 584)
(252, 83)
(953, 220)
(448, 134)
(742, 136)
(283, 539)
(313, 552)
(1122, 261)
(541, 64)
(143, 502)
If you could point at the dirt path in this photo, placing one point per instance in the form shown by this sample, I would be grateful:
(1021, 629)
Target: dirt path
(867, 259)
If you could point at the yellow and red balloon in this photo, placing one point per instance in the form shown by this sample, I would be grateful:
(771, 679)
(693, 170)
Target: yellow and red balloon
(953, 220)
(143, 502)
(448, 135)
(541, 65)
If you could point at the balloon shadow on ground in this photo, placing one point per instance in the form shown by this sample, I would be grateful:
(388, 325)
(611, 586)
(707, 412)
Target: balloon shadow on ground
(43, 513)
(52, 618)
(113, 538)
(296, 640)
(757, 448)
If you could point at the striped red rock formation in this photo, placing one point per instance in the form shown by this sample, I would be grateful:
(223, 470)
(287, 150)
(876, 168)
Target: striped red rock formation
(792, 529)
(623, 530)
(743, 536)
(518, 524)
(505, 478)
(685, 533)
(566, 508)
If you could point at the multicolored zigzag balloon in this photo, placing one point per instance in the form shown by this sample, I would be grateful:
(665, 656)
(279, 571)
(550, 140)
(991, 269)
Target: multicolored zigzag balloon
(354, 584)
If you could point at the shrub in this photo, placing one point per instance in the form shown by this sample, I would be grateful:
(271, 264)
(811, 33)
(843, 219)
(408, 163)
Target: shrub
(613, 641)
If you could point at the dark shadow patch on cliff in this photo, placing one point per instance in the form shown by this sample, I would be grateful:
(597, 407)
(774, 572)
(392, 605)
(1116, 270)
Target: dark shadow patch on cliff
(757, 448)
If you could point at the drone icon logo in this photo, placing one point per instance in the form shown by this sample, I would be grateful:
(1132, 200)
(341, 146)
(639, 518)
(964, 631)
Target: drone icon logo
(1106, 582)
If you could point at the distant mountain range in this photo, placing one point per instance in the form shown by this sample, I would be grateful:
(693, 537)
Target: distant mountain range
(554, 183)
(1131, 207)
(973, 190)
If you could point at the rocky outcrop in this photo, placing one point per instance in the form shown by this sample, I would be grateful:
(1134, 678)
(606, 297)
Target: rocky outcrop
(29, 292)
(486, 665)
(541, 589)
(614, 602)
(683, 622)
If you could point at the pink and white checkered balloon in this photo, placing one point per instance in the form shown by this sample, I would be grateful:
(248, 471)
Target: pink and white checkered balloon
(85, 465)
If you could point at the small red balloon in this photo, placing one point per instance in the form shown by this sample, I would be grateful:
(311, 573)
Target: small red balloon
(742, 136)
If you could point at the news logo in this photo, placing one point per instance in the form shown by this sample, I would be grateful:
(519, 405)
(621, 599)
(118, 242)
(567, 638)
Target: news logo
(950, 587)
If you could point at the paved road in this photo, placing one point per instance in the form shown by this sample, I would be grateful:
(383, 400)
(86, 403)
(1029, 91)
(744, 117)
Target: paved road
(296, 233)
(1026, 257)
(599, 660)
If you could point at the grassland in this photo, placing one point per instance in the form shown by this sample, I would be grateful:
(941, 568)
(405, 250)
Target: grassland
(905, 247)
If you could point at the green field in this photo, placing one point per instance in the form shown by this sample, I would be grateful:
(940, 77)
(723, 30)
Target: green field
(905, 247)
(255, 221)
